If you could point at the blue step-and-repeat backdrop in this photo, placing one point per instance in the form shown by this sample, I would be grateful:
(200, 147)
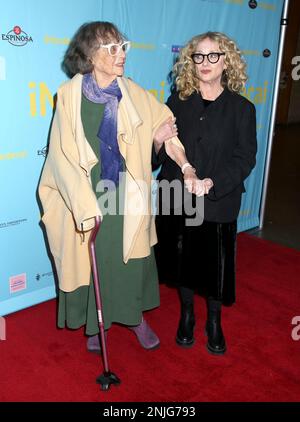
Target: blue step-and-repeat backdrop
(33, 38)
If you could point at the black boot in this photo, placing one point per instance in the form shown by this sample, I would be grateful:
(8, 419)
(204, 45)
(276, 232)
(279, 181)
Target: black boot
(215, 338)
(185, 331)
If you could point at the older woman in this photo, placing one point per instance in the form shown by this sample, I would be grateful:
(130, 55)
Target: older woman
(218, 130)
(103, 131)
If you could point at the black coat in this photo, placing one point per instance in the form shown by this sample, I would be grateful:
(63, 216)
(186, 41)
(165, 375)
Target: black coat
(220, 142)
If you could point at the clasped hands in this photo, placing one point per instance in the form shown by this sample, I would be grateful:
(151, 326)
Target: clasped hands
(194, 185)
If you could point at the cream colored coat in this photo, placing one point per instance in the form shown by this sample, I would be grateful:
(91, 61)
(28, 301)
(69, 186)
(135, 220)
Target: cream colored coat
(65, 190)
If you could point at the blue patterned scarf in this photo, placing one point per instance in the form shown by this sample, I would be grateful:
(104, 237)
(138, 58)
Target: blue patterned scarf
(111, 159)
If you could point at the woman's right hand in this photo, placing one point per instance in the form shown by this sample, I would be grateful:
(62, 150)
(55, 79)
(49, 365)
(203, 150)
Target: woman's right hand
(194, 185)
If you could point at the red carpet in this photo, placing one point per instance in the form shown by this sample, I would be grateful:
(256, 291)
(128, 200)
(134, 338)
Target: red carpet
(42, 363)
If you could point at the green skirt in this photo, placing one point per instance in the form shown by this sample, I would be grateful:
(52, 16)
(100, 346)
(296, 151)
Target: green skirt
(125, 295)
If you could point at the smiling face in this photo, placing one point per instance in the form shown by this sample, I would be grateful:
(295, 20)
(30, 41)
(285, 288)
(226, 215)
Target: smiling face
(107, 67)
(209, 73)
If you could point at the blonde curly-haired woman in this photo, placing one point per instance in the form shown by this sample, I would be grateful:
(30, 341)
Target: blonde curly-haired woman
(218, 129)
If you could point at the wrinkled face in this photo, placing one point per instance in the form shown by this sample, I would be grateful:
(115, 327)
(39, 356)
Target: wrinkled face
(106, 66)
(210, 72)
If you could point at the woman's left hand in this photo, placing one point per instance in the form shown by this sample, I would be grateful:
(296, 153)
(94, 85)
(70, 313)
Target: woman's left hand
(193, 184)
(165, 131)
(208, 184)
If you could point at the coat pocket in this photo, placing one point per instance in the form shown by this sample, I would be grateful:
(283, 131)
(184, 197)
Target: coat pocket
(54, 220)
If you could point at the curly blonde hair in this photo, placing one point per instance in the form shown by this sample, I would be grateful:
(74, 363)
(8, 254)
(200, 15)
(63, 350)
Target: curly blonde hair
(184, 70)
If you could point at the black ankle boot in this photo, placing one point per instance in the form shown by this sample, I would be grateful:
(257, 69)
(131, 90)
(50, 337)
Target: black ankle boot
(215, 338)
(185, 331)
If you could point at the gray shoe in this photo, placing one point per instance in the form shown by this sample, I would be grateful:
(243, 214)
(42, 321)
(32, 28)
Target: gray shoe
(93, 344)
(146, 336)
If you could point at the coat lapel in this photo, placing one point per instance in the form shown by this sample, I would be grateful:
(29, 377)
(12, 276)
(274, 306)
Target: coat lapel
(87, 158)
(128, 116)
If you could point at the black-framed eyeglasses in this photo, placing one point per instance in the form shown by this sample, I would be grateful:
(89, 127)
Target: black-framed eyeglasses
(213, 57)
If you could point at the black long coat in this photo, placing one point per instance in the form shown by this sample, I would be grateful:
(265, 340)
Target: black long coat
(220, 142)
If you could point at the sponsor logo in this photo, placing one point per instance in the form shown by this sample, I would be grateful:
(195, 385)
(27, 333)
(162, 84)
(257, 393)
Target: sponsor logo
(17, 283)
(12, 223)
(39, 276)
(17, 37)
(142, 46)
(176, 48)
(237, 2)
(266, 52)
(13, 155)
(54, 40)
(250, 52)
(43, 151)
(266, 6)
(252, 4)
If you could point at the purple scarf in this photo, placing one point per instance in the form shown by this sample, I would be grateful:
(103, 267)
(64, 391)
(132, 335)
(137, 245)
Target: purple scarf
(110, 156)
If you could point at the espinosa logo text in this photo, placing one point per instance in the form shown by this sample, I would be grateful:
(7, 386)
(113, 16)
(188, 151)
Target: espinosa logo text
(17, 37)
